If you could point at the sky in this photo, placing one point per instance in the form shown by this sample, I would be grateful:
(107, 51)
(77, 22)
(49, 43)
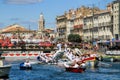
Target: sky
(26, 12)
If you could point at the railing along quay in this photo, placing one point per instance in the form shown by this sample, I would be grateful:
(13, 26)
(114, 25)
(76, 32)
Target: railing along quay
(28, 49)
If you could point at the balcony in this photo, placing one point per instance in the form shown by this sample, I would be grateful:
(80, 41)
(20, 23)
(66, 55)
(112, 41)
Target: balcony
(78, 26)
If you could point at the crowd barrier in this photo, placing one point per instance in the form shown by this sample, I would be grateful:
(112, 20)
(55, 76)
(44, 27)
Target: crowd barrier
(19, 54)
(23, 54)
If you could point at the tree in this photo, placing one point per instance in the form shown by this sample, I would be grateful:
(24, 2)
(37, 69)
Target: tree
(74, 38)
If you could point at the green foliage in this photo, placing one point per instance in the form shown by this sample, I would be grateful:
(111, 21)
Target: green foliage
(74, 38)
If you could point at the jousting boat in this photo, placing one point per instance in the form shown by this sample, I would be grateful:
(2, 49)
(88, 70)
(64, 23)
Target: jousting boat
(79, 69)
(76, 70)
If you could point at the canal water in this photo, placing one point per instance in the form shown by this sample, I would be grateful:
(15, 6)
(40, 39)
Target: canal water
(53, 72)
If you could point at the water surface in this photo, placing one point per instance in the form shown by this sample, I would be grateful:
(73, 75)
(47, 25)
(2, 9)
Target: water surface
(53, 72)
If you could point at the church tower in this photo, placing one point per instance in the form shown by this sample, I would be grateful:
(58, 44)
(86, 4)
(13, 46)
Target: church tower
(41, 24)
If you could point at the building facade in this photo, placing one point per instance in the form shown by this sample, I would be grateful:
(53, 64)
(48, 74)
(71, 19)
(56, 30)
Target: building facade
(116, 19)
(79, 19)
(61, 22)
(98, 26)
(91, 23)
(72, 22)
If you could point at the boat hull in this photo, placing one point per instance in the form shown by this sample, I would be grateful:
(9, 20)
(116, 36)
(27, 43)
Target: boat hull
(76, 70)
(4, 70)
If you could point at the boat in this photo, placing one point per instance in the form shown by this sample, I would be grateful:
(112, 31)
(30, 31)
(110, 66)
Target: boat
(91, 62)
(78, 69)
(23, 67)
(109, 59)
(49, 57)
(4, 69)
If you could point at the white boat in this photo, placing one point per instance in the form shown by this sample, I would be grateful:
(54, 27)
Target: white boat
(76, 68)
(4, 69)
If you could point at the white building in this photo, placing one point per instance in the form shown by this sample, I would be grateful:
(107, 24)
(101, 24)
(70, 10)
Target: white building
(98, 26)
(116, 19)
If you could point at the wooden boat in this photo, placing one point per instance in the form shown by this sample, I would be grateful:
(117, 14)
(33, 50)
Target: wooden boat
(22, 67)
(76, 70)
(91, 62)
(109, 59)
(89, 59)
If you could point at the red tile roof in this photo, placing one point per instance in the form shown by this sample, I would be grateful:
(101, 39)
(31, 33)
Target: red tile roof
(14, 28)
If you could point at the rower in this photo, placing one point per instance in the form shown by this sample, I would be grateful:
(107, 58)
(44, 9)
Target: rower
(27, 63)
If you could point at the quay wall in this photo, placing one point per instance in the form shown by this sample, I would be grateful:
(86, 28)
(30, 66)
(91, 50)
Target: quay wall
(17, 55)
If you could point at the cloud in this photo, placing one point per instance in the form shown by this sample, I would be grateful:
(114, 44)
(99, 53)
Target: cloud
(22, 1)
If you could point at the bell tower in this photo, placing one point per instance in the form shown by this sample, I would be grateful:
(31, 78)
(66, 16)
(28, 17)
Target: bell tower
(41, 24)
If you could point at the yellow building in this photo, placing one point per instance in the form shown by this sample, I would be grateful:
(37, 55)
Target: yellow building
(72, 22)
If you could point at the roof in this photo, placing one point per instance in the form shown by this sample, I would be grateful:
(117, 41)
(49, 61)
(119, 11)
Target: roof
(14, 28)
(98, 13)
(48, 30)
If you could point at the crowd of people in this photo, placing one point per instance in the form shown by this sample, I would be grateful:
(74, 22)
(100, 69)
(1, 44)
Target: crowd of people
(14, 39)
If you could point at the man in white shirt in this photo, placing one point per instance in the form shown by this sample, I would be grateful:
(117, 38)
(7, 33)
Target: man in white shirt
(27, 63)
(59, 46)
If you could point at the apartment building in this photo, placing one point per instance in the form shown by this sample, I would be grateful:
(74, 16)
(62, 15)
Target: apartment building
(78, 20)
(98, 26)
(61, 22)
(72, 22)
(116, 19)
(91, 23)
